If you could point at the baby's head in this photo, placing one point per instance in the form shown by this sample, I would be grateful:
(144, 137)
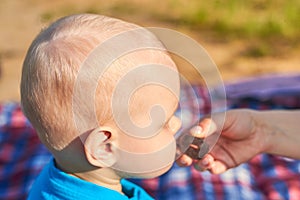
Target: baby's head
(92, 122)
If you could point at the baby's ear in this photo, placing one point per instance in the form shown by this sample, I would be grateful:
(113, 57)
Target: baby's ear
(98, 148)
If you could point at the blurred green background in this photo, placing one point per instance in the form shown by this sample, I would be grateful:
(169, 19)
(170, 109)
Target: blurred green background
(245, 38)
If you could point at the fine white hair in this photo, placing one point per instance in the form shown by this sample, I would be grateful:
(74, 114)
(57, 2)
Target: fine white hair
(50, 69)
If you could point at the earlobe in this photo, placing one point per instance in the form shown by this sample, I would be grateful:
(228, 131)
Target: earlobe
(98, 148)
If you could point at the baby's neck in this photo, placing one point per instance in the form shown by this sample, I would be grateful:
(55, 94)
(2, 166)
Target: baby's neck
(104, 177)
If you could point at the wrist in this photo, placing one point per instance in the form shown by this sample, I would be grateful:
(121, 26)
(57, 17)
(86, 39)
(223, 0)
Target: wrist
(263, 131)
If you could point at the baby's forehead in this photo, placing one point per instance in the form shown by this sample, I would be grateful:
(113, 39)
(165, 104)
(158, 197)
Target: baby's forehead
(150, 99)
(138, 68)
(144, 98)
(148, 105)
(147, 70)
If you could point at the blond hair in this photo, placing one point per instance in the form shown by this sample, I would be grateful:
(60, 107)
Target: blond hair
(50, 69)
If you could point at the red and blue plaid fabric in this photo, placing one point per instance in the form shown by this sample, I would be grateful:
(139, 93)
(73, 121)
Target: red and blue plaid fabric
(22, 156)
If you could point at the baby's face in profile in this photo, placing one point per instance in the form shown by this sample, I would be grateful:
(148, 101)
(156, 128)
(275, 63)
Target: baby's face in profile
(146, 145)
(151, 152)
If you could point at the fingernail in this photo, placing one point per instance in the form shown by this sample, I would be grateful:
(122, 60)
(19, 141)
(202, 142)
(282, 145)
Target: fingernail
(183, 162)
(196, 131)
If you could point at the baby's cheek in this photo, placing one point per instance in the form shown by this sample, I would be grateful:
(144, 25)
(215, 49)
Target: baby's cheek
(154, 160)
(144, 146)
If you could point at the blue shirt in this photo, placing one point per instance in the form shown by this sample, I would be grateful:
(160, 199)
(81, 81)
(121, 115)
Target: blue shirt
(55, 184)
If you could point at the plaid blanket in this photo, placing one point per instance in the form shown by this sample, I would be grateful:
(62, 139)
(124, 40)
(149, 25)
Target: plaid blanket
(22, 156)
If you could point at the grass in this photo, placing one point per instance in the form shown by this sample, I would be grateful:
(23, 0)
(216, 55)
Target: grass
(244, 18)
(264, 21)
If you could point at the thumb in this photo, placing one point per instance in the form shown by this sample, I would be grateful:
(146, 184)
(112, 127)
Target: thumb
(212, 127)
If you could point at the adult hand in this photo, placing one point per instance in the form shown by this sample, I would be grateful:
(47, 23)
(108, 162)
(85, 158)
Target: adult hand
(239, 141)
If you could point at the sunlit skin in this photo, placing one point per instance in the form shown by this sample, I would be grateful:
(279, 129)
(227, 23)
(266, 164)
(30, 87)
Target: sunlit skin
(123, 146)
(148, 97)
(164, 138)
(247, 133)
(81, 125)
